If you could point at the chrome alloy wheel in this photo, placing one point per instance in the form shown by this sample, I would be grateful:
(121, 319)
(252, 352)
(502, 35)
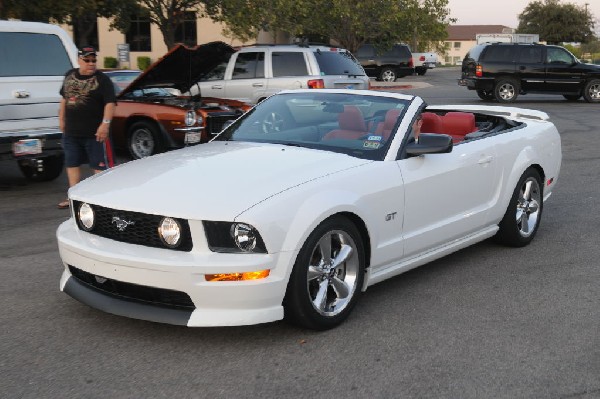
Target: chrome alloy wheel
(506, 91)
(594, 91)
(332, 273)
(142, 142)
(388, 76)
(528, 207)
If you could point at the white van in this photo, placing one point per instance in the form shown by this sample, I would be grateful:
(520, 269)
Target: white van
(34, 58)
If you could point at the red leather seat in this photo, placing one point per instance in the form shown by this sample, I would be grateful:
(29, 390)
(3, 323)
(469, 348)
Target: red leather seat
(458, 124)
(385, 128)
(352, 125)
(432, 123)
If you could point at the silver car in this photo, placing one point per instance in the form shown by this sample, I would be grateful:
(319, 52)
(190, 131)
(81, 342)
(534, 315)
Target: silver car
(254, 73)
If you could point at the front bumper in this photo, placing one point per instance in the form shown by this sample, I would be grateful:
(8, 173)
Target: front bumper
(213, 303)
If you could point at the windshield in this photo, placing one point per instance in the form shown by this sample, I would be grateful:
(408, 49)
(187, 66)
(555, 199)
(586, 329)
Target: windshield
(358, 125)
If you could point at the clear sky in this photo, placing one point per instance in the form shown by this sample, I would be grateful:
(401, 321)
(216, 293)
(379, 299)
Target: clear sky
(503, 12)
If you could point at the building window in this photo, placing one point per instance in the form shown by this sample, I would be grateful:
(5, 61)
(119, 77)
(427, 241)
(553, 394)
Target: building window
(186, 31)
(138, 35)
(456, 45)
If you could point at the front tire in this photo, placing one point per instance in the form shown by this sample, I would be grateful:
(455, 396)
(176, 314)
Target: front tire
(143, 140)
(524, 213)
(506, 90)
(50, 168)
(591, 91)
(387, 75)
(572, 97)
(327, 277)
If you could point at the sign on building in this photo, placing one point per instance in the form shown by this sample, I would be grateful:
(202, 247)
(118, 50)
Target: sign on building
(123, 52)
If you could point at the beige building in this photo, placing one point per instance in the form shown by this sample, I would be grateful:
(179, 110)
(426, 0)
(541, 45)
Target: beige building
(146, 40)
(462, 37)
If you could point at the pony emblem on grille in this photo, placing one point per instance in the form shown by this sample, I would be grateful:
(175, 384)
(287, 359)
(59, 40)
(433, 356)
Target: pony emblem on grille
(121, 223)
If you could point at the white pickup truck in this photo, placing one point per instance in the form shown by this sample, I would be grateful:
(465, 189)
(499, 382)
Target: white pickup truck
(423, 62)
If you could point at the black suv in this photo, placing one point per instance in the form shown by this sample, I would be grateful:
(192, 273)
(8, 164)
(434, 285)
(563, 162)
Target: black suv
(386, 66)
(502, 71)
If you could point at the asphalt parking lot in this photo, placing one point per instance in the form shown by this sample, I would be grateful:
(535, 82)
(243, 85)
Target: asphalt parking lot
(485, 322)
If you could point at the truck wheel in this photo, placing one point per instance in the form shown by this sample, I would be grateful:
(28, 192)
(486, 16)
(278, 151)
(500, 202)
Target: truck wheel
(143, 140)
(591, 92)
(506, 90)
(44, 169)
(485, 95)
(572, 97)
(387, 75)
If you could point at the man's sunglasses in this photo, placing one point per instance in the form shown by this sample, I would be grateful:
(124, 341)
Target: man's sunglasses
(88, 60)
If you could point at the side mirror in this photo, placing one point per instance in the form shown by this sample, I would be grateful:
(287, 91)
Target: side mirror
(430, 143)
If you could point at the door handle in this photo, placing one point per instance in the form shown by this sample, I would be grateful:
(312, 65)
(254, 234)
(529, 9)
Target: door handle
(257, 85)
(485, 159)
(216, 87)
(21, 94)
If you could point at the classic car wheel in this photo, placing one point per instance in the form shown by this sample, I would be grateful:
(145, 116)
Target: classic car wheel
(524, 213)
(572, 97)
(327, 277)
(387, 75)
(485, 95)
(591, 92)
(51, 167)
(506, 90)
(143, 140)
(272, 123)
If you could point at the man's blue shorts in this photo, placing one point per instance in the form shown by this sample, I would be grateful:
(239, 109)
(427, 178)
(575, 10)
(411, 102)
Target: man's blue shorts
(83, 150)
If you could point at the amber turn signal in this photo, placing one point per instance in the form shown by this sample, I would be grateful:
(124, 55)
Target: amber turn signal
(238, 276)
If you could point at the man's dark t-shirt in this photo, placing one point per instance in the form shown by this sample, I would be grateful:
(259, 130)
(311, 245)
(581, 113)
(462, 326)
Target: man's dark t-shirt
(86, 96)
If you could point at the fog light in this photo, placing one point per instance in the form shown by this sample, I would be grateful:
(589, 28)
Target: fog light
(238, 276)
(170, 232)
(86, 217)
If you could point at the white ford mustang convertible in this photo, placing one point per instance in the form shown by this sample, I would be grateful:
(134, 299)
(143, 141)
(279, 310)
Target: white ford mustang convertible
(301, 204)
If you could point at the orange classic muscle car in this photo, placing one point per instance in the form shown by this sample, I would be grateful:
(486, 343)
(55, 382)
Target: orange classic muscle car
(157, 113)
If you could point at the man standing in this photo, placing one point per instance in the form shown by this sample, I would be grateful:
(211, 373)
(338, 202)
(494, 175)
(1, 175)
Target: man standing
(85, 113)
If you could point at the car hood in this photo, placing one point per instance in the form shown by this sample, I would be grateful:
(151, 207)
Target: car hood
(213, 181)
(182, 67)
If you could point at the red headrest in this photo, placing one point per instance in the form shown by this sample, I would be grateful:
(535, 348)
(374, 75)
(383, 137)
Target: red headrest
(432, 123)
(352, 119)
(459, 123)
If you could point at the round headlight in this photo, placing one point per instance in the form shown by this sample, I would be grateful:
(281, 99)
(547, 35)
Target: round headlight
(244, 236)
(170, 232)
(86, 217)
(190, 118)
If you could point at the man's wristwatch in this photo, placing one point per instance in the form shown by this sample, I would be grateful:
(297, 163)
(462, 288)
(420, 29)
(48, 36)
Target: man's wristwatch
(106, 120)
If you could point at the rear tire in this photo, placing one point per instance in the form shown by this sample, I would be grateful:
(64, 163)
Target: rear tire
(328, 275)
(51, 167)
(524, 213)
(591, 91)
(506, 90)
(421, 71)
(388, 75)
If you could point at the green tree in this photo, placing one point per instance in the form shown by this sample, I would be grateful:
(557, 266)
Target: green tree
(348, 23)
(169, 14)
(81, 14)
(557, 22)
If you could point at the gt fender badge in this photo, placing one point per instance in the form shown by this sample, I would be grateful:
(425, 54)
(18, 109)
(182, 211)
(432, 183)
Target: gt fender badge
(121, 223)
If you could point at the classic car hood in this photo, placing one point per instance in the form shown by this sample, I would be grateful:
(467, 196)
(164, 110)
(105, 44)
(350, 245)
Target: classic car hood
(213, 181)
(182, 67)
